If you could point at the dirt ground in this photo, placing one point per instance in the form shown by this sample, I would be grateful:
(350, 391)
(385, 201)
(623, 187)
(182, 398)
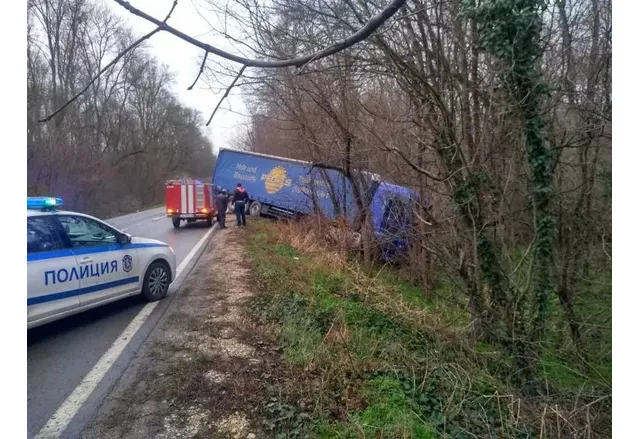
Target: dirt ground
(206, 370)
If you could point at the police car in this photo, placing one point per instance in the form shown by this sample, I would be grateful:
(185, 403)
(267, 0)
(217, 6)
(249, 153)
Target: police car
(76, 262)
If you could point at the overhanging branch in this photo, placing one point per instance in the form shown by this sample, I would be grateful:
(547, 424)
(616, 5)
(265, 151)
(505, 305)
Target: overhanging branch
(360, 35)
(226, 93)
(204, 60)
(95, 78)
(363, 33)
(111, 64)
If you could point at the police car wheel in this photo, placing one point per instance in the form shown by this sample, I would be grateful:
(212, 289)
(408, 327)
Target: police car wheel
(156, 282)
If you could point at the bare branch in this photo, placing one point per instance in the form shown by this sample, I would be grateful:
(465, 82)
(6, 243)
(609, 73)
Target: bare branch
(173, 7)
(226, 93)
(111, 64)
(95, 78)
(301, 69)
(204, 60)
(415, 167)
(363, 33)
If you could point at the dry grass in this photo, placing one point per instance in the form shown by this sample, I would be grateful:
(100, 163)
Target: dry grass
(447, 365)
(310, 237)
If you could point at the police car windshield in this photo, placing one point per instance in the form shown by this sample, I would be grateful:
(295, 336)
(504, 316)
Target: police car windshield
(85, 231)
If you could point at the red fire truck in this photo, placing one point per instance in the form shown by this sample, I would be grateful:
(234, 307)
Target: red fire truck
(189, 200)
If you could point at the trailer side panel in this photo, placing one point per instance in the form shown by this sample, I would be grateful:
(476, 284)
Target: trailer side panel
(286, 184)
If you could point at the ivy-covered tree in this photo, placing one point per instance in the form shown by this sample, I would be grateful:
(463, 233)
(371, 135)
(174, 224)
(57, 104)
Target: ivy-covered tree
(510, 31)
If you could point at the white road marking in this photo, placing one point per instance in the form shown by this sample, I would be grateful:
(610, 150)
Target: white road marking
(193, 252)
(159, 218)
(133, 215)
(68, 409)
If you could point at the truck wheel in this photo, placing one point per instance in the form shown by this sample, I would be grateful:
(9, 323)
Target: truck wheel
(156, 282)
(255, 208)
(209, 221)
(176, 222)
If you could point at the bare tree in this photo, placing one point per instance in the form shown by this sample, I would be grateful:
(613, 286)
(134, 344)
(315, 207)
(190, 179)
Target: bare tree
(124, 134)
(426, 108)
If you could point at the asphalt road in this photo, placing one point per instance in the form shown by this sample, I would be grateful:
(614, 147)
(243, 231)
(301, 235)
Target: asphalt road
(60, 354)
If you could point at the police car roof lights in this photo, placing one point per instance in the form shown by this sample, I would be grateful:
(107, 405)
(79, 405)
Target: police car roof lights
(43, 203)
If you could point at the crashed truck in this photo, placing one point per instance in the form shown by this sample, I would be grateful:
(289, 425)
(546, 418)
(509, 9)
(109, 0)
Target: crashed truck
(284, 188)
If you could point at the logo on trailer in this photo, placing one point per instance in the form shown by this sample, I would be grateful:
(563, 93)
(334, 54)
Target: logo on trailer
(127, 263)
(275, 180)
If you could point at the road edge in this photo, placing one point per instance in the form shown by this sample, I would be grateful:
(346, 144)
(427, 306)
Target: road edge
(87, 398)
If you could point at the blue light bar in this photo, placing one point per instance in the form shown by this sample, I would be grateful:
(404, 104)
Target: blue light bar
(43, 202)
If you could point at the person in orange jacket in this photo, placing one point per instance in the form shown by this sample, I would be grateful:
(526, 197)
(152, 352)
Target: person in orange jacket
(240, 199)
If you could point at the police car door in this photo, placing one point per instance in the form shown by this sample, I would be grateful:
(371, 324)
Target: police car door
(51, 289)
(108, 269)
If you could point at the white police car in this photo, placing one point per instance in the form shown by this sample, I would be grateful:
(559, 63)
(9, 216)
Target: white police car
(76, 262)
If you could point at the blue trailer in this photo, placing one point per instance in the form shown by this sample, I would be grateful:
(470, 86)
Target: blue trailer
(285, 188)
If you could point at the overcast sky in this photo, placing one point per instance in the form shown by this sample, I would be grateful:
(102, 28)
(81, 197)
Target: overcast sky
(183, 60)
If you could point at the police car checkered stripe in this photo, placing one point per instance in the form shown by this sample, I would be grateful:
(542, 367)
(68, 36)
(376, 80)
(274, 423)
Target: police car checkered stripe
(87, 251)
(81, 291)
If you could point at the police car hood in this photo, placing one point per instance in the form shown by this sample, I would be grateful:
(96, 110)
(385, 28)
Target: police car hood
(136, 240)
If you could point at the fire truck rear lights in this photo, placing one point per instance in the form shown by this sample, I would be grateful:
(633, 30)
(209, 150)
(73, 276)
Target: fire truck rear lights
(204, 211)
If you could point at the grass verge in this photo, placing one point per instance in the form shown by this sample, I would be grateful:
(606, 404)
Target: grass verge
(375, 359)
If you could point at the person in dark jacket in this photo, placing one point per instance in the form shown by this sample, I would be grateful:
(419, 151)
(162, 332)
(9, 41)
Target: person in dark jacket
(222, 201)
(240, 198)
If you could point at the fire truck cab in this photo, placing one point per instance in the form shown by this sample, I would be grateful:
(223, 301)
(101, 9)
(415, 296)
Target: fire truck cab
(189, 200)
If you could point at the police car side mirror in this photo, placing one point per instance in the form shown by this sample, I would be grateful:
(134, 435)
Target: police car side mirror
(125, 238)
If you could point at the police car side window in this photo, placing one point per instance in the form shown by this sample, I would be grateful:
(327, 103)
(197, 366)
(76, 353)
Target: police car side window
(42, 235)
(85, 232)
